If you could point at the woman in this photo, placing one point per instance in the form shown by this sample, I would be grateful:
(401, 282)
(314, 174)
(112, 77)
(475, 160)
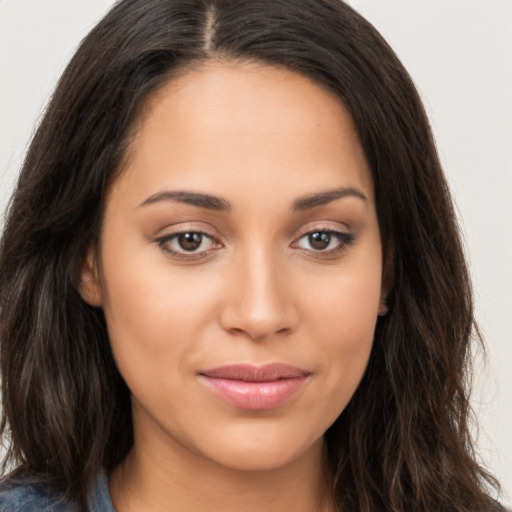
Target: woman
(231, 277)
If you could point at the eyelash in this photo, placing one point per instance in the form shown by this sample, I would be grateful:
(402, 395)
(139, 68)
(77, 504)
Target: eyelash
(165, 241)
(344, 239)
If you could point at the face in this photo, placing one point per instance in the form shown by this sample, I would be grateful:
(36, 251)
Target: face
(239, 266)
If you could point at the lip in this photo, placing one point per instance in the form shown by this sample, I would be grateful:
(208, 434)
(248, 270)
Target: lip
(254, 387)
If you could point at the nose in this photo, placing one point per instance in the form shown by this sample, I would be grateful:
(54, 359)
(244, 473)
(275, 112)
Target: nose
(259, 298)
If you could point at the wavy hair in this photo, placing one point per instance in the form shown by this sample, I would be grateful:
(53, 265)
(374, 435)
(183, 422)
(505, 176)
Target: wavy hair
(402, 443)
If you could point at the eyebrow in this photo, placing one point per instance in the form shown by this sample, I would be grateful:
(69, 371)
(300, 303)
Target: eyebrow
(323, 198)
(218, 204)
(193, 198)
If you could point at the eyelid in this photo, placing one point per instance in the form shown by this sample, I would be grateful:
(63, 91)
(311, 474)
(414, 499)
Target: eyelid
(330, 226)
(169, 235)
(345, 236)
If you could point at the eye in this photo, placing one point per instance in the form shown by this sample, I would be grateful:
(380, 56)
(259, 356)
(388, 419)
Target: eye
(190, 241)
(325, 241)
(187, 243)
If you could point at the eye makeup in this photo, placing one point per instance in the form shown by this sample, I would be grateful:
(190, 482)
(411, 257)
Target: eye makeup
(325, 243)
(193, 245)
(188, 245)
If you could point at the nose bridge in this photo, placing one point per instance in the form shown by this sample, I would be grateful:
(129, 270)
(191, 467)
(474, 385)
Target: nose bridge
(259, 303)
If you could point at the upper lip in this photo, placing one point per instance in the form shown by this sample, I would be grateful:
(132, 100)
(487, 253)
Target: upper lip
(254, 373)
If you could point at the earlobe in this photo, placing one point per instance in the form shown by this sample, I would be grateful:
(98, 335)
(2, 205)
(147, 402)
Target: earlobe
(90, 289)
(383, 307)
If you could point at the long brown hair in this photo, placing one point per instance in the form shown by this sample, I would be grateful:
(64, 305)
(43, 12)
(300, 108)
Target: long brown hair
(402, 443)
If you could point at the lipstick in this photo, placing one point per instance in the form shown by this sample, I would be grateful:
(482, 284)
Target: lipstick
(254, 387)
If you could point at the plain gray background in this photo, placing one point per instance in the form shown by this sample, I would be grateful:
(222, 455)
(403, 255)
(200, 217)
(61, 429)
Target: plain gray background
(459, 52)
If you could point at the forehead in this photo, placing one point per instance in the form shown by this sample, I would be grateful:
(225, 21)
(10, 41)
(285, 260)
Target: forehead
(247, 122)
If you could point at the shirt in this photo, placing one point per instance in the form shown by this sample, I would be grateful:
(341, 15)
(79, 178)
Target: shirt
(32, 496)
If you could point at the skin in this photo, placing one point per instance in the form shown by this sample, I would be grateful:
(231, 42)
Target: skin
(255, 291)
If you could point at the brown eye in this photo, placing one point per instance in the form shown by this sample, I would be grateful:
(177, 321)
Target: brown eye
(325, 243)
(319, 240)
(190, 241)
(188, 244)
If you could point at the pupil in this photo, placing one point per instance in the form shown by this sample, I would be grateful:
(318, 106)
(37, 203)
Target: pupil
(319, 240)
(190, 241)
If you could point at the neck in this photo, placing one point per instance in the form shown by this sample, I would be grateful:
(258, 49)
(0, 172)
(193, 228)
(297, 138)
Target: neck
(161, 481)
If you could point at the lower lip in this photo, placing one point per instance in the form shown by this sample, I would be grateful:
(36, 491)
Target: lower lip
(256, 396)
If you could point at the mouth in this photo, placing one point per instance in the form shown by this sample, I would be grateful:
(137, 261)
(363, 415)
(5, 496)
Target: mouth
(255, 387)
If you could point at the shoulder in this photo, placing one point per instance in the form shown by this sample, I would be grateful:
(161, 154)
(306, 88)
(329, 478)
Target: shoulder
(30, 496)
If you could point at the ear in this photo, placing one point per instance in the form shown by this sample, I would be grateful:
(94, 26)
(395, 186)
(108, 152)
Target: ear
(90, 289)
(388, 280)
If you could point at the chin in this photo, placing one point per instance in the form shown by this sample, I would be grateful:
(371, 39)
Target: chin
(270, 454)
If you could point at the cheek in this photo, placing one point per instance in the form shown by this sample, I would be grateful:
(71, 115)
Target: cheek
(342, 320)
(154, 315)
(345, 303)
